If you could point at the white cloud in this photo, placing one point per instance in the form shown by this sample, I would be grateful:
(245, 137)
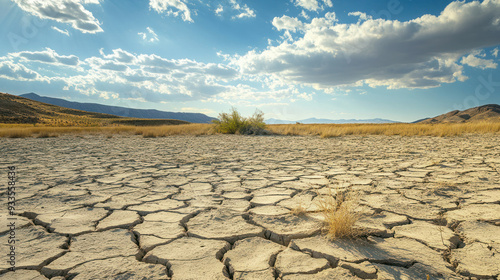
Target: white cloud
(182, 8)
(104, 64)
(66, 11)
(494, 52)
(473, 61)
(47, 56)
(219, 9)
(312, 5)
(124, 75)
(119, 55)
(172, 7)
(244, 11)
(419, 53)
(362, 16)
(65, 32)
(287, 23)
(304, 14)
(129, 77)
(13, 71)
(150, 36)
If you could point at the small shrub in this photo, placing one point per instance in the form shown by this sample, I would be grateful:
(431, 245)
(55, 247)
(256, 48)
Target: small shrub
(234, 123)
(340, 215)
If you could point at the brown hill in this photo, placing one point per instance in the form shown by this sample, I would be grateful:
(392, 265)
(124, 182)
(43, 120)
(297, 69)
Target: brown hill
(16, 109)
(490, 112)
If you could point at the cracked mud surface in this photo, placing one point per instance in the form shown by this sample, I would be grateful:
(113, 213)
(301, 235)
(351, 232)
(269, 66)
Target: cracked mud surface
(219, 207)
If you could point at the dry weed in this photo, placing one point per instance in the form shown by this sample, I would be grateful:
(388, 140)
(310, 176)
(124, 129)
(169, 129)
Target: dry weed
(340, 214)
(22, 131)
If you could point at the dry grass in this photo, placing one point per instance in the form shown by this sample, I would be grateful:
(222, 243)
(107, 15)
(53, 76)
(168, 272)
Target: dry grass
(340, 215)
(170, 130)
(402, 129)
(322, 130)
(23, 130)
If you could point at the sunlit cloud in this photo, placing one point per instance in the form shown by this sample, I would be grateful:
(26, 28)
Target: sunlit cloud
(172, 8)
(420, 53)
(313, 5)
(71, 12)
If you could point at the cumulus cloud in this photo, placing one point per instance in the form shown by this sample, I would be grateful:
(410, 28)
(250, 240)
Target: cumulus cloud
(287, 23)
(477, 62)
(121, 74)
(150, 36)
(494, 52)
(127, 77)
(48, 56)
(312, 5)
(105, 64)
(172, 7)
(419, 53)
(362, 16)
(66, 11)
(118, 55)
(15, 71)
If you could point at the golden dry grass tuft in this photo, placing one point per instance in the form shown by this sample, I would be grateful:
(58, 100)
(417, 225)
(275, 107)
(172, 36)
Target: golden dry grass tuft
(340, 215)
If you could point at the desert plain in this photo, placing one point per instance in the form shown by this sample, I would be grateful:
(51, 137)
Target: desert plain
(247, 207)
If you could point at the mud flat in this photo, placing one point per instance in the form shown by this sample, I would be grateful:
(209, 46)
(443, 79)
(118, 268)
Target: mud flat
(219, 207)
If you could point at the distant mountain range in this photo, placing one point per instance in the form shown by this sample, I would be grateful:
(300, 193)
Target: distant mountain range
(121, 111)
(490, 112)
(320, 121)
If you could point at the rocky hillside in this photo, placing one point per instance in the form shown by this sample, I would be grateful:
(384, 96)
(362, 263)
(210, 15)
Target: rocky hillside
(490, 112)
(16, 109)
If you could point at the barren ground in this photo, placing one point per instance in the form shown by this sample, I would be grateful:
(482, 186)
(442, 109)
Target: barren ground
(218, 207)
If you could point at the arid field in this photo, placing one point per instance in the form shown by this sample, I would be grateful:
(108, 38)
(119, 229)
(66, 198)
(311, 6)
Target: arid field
(322, 130)
(132, 205)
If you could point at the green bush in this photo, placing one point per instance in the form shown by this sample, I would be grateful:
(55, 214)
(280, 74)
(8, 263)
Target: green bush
(234, 123)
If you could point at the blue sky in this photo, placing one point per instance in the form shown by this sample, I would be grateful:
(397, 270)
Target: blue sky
(292, 59)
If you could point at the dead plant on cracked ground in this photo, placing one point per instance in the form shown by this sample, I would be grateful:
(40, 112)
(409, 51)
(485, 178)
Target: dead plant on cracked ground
(340, 215)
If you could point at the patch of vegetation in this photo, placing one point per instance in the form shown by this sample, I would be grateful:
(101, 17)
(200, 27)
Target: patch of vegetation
(234, 123)
(402, 129)
(340, 215)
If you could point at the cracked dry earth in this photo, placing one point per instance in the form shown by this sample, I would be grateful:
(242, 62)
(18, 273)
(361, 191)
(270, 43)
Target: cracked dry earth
(218, 207)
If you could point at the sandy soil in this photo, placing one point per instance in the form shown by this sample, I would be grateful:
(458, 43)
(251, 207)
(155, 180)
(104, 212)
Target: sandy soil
(218, 207)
